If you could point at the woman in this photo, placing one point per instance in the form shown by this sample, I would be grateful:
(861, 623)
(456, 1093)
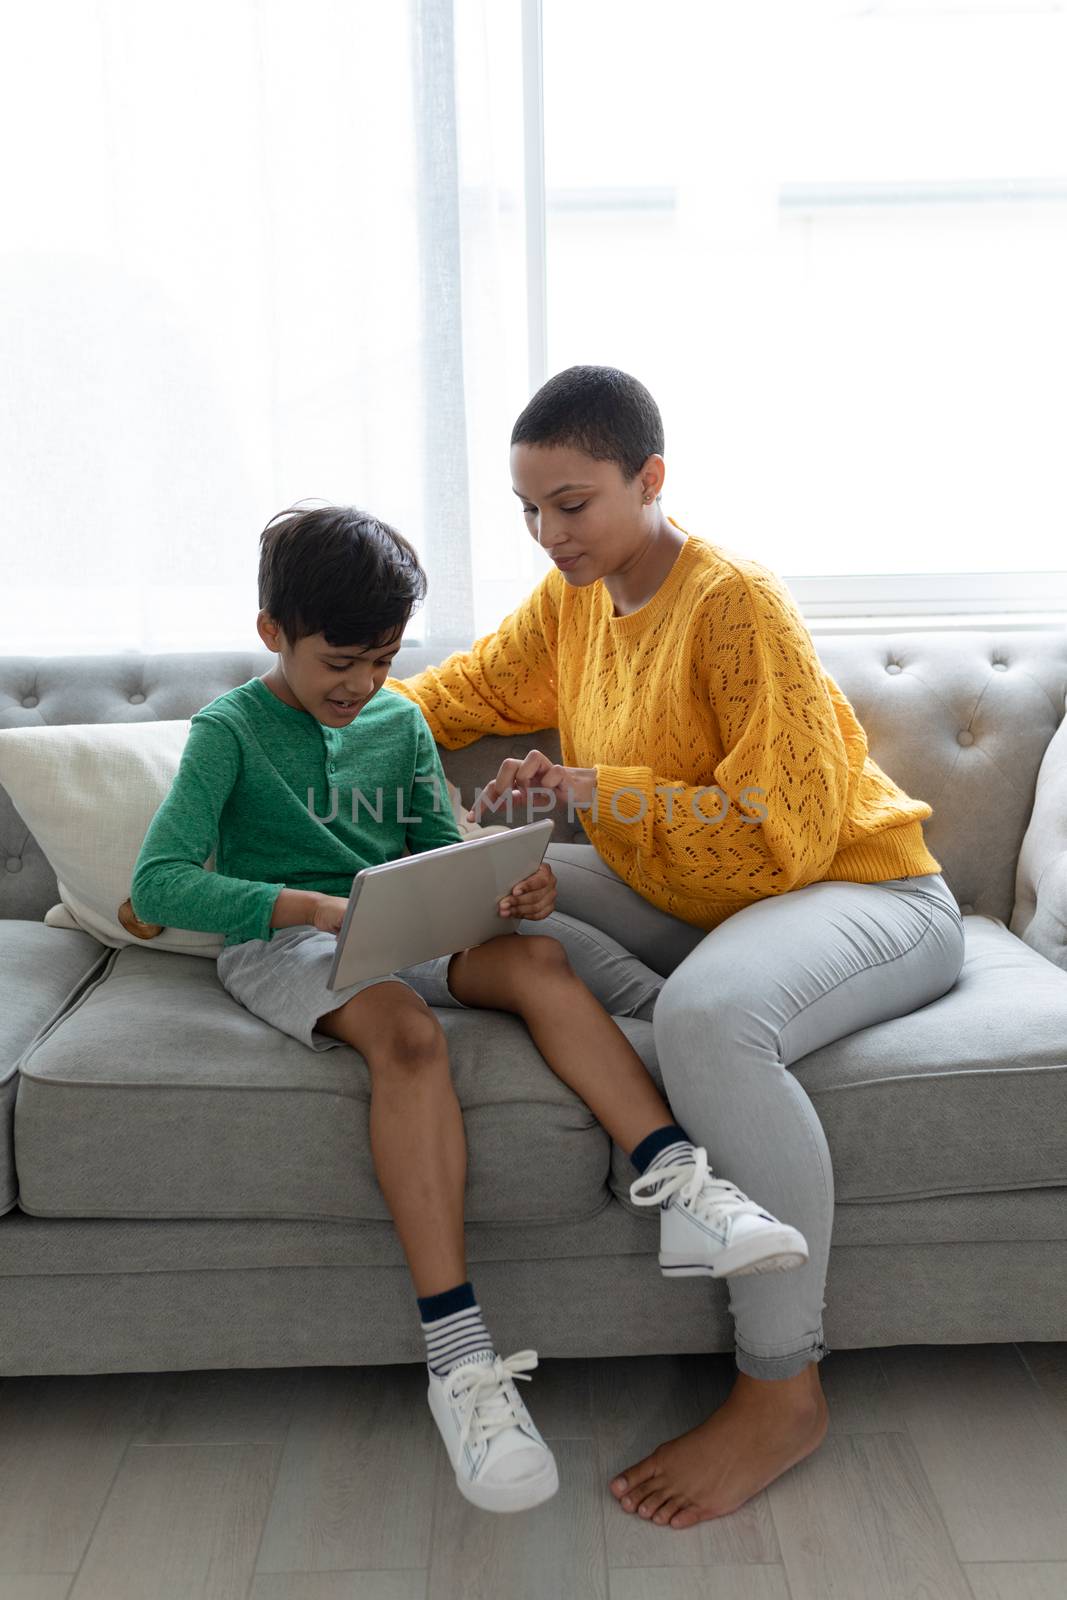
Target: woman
(743, 842)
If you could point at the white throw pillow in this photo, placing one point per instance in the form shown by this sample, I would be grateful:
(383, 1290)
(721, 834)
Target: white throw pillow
(1039, 915)
(87, 792)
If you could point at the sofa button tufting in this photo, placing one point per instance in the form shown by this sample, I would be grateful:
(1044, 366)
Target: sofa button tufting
(30, 701)
(135, 699)
(13, 864)
(1000, 666)
(964, 737)
(892, 666)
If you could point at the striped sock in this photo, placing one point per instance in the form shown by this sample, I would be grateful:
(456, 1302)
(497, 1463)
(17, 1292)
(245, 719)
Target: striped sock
(662, 1148)
(454, 1330)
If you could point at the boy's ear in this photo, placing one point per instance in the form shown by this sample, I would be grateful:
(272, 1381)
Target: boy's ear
(269, 631)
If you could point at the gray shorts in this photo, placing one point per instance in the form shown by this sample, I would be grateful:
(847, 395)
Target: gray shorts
(283, 980)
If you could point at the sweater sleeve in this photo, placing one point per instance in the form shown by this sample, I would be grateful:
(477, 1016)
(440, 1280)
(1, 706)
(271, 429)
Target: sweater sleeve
(505, 683)
(171, 884)
(769, 820)
(429, 800)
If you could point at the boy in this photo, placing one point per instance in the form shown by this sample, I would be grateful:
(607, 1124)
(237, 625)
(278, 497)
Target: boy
(336, 589)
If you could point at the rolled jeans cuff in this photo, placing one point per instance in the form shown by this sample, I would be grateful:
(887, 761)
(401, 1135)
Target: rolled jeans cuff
(781, 1366)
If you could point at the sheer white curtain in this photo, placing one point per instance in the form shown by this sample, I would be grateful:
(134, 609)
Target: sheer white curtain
(250, 254)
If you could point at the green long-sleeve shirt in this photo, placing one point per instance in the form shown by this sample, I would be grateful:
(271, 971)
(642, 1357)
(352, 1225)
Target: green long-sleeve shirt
(285, 802)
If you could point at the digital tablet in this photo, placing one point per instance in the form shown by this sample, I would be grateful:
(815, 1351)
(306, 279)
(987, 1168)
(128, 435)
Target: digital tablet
(433, 903)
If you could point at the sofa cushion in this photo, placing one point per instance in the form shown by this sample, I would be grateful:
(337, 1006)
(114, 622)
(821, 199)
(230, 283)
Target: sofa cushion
(41, 970)
(965, 1095)
(159, 1095)
(1040, 914)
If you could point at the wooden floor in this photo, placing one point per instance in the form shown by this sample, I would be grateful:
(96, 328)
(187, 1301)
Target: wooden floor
(943, 1477)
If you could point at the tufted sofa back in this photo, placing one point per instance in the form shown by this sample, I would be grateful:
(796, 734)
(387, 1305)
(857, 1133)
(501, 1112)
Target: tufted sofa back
(959, 719)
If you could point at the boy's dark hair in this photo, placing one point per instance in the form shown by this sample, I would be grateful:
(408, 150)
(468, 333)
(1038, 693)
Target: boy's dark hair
(603, 411)
(337, 571)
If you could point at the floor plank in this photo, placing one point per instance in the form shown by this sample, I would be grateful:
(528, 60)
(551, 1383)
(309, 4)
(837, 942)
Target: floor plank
(180, 1520)
(556, 1549)
(25, 1586)
(1047, 1364)
(62, 1441)
(219, 1407)
(858, 1393)
(338, 1586)
(355, 1486)
(1015, 1580)
(997, 1463)
(859, 1519)
(695, 1583)
(558, 1399)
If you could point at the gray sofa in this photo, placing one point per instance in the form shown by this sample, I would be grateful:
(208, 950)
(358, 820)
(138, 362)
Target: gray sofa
(183, 1187)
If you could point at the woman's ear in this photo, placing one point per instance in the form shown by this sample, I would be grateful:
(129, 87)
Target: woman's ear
(652, 475)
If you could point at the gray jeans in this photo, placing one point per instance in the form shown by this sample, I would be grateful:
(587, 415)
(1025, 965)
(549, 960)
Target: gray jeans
(731, 1011)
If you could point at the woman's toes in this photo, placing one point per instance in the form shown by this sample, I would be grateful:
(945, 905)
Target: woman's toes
(687, 1517)
(630, 1493)
(674, 1503)
(657, 1496)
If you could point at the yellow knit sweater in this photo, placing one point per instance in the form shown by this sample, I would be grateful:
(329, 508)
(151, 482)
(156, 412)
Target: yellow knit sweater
(713, 684)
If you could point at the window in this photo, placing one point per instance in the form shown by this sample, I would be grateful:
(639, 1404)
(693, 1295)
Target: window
(832, 240)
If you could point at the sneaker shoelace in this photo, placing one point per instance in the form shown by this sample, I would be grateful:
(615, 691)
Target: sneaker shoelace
(712, 1199)
(489, 1407)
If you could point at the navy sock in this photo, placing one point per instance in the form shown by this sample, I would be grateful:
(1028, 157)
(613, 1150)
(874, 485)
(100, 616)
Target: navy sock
(661, 1148)
(454, 1330)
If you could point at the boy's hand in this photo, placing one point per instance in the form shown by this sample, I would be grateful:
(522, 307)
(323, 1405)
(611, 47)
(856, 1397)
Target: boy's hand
(534, 897)
(330, 913)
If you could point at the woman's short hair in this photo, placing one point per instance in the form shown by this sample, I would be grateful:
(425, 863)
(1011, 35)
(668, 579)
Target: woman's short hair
(338, 571)
(605, 412)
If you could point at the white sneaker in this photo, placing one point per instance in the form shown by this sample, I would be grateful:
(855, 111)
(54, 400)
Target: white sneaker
(708, 1227)
(501, 1461)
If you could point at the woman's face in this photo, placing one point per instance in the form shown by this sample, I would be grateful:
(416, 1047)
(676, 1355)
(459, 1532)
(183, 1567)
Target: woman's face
(578, 507)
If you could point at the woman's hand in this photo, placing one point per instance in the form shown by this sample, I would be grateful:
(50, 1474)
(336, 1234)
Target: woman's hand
(534, 897)
(536, 771)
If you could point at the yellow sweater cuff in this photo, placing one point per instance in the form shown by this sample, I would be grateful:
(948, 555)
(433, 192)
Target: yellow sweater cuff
(624, 805)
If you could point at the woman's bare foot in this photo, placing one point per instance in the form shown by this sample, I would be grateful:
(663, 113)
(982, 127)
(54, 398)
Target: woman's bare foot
(763, 1427)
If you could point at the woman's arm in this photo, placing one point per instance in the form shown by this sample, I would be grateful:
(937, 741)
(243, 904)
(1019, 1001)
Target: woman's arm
(505, 683)
(784, 775)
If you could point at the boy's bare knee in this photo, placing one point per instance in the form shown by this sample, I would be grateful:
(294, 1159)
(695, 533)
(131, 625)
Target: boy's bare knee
(414, 1037)
(386, 1020)
(542, 952)
(500, 974)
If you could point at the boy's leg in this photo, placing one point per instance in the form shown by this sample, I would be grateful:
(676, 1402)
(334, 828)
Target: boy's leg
(416, 1126)
(621, 981)
(587, 1050)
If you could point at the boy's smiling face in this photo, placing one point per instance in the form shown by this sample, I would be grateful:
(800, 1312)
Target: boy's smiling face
(581, 508)
(315, 676)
